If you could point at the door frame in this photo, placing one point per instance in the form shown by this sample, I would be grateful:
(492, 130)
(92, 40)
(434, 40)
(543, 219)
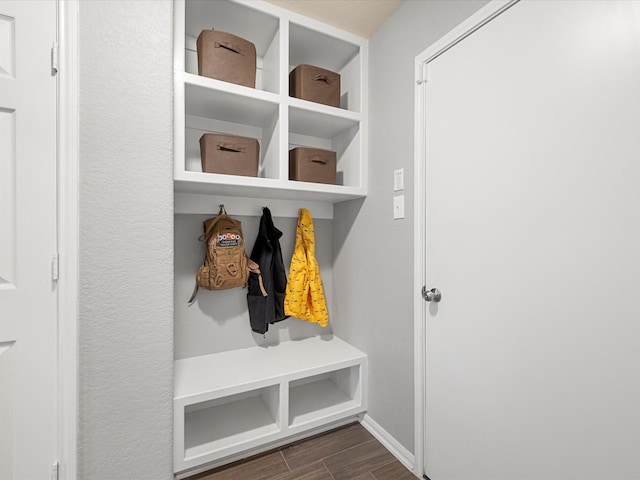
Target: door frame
(67, 224)
(466, 28)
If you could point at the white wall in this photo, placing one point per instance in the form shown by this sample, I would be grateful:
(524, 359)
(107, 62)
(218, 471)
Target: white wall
(126, 236)
(373, 270)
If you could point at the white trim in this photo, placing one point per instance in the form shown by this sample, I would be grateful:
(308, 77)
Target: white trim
(189, 203)
(419, 247)
(466, 28)
(68, 238)
(402, 454)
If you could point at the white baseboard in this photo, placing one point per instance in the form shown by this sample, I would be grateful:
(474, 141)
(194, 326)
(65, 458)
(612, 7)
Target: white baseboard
(402, 454)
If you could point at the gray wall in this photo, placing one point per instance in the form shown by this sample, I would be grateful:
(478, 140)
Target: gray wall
(219, 321)
(126, 236)
(373, 269)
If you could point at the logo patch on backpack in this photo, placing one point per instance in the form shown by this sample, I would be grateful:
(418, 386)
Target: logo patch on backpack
(228, 240)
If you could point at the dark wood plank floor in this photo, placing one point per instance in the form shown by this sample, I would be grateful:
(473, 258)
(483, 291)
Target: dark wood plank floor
(347, 453)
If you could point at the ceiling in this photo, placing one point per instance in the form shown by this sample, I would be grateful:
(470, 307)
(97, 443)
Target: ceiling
(361, 17)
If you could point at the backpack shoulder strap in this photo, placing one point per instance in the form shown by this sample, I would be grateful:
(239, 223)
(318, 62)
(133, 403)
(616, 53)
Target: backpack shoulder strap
(209, 225)
(255, 268)
(193, 295)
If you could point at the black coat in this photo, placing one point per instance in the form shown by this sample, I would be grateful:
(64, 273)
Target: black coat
(268, 255)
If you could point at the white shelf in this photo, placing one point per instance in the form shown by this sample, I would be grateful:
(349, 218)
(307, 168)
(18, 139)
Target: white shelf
(230, 402)
(314, 119)
(210, 98)
(265, 188)
(258, 365)
(283, 40)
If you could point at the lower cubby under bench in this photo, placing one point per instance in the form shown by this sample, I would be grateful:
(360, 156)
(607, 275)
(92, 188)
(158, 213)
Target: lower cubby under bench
(233, 402)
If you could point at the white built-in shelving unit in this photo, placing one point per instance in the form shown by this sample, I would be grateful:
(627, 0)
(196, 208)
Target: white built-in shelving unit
(283, 40)
(234, 403)
(231, 402)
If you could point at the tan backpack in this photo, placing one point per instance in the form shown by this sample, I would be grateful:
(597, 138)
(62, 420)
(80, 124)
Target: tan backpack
(226, 263)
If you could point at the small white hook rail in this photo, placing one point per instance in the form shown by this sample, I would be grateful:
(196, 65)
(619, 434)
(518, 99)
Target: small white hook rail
(243, 206)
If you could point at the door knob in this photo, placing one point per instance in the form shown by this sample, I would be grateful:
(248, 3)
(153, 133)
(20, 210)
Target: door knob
(433, 295)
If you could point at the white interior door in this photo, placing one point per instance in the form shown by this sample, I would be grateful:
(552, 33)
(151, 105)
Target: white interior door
(27, 240)
(533, 238)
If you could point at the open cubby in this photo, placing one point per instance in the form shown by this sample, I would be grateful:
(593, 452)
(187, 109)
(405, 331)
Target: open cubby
(260, 28)
(314, 47)
(235, 419)
(340, 134)
(321, 396)
(212, 111)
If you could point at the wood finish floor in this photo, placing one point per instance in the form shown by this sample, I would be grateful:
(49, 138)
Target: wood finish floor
(348, 453)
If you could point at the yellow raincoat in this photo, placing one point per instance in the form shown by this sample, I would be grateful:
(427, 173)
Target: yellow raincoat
(304, 297)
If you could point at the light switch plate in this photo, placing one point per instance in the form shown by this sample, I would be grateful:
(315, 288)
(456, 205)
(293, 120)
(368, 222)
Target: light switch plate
(398, 207)
(398, 179)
